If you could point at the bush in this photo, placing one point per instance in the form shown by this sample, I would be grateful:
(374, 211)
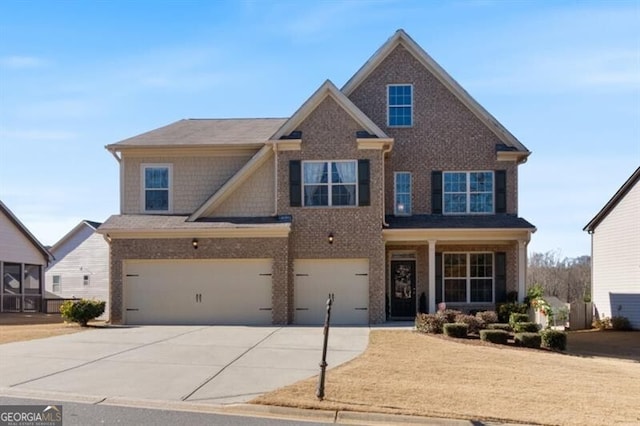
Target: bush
(456, 329)
(429, 323)
(82, 311)
(620, 323)
(526, 327)
(601, 323)
(506, 309)
(516, 317)
(473, 323)
(494, 336)
(487, 317)
(449, 315)
(528, 340)
(554, 339)
(499, 326)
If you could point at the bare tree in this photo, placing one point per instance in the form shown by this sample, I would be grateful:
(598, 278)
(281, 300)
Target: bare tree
(568, 279)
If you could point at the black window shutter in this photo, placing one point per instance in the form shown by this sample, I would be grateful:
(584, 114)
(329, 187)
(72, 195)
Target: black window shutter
(438, 278)
(501, 277)
(295, 183)
(364, 191)
(436, 192)
(501, 191)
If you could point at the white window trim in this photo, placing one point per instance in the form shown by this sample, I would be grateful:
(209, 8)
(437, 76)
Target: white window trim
(143, 188)
(329, 184)
(389, 106)
(395, 194)
(54, 284)
(469, 277)
(468, 192)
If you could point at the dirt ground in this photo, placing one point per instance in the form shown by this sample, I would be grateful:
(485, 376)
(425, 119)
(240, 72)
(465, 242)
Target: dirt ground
(15, 327)
(411, 373)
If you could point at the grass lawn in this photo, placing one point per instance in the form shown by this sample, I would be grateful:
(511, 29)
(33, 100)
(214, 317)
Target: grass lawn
(411, 373)
(20, 326)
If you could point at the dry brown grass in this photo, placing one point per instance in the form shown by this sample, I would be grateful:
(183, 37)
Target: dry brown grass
(410, 373)
(23, 326)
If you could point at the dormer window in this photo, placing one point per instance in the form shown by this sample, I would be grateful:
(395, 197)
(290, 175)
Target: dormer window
(400, 105)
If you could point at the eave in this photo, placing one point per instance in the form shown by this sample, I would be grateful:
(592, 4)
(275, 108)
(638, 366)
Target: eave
(458, 235)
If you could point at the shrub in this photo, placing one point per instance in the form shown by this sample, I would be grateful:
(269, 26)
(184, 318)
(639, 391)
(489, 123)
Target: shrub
(506, 309)
(494, 336)
(456, 329)
(499, 326)
(82, 311)
(526, 327)
(602, 323)
(528, 340)
(449, 315)
(487, 317)
(473, 323)
(429, 323)
(516, 317)
(554, 339)
(620, 323)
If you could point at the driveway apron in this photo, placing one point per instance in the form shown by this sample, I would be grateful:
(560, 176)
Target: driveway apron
(204, 364)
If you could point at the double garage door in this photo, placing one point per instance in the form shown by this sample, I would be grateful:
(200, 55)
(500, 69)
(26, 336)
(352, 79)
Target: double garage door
(239, 291)
(236, 291)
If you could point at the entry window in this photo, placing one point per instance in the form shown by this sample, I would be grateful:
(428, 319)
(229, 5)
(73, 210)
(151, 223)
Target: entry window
(468, 277)
(330, 183)
(402, 193)
(156, 181)
(400, 105)
(57, 282)
(468, 192)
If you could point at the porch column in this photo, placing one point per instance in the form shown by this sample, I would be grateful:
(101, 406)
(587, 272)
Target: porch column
(432, 276)
(522, 269)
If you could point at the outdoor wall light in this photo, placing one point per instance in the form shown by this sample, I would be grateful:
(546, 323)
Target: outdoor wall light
(330, 238)
(194, 243)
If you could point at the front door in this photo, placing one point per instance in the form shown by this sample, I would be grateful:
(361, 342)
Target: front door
(403, 288)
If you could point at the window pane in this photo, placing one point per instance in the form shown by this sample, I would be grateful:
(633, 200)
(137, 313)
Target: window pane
(400, 105)
(12, 280)
(455, 203)
(403, 203)
(316, 195)
(156, 177)
(455, 265)
(156, 200)
(315, 173)
(343, 172)
(455, 182)
(481, 290)
(481, 265)
(32, 279)
(343, 195)
(481, 182)
(455, 290)
(481, 203)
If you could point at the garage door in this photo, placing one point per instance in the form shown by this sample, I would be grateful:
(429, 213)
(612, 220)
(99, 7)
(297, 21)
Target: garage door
(347, 279)
(234, 291)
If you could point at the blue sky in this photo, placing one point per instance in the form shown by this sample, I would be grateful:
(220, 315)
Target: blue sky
(564, 77)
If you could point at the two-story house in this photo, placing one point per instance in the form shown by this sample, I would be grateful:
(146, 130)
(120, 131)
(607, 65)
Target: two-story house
(395, 193)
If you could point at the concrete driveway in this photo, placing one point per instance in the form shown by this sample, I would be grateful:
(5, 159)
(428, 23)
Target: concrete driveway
(200, 364)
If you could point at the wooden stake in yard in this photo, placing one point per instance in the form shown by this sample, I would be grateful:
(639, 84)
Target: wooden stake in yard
(323, 363)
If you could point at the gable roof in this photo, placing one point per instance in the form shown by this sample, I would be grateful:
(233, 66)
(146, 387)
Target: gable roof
(85, 223)
(613, 202)
(23, 229)
(400, 38)
(205, 132)
(325, 90)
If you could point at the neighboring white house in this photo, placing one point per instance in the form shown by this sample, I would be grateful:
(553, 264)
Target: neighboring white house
(615, 254)
(22, 263)
(81, 266)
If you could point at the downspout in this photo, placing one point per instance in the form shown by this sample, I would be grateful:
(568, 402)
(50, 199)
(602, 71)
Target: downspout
(384, 193)
(121, 172)
(275, 179)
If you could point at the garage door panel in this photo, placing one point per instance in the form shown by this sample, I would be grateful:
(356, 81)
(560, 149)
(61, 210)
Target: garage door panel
(236, 291)
(346, 279)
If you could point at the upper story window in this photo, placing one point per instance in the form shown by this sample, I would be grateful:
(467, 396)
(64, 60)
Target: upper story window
(402, 193)
(56, 283)
(468, 192)
(468, 277)
(156, 182)
(330, 183)
(400, 105)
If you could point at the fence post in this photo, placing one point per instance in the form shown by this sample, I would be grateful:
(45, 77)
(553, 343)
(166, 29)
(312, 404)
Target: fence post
(323, 363)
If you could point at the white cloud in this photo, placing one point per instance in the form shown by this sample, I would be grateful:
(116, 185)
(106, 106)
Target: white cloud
(21, 62)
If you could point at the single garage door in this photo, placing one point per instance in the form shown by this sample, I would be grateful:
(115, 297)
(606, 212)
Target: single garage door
(236, 291)
(347, 279)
